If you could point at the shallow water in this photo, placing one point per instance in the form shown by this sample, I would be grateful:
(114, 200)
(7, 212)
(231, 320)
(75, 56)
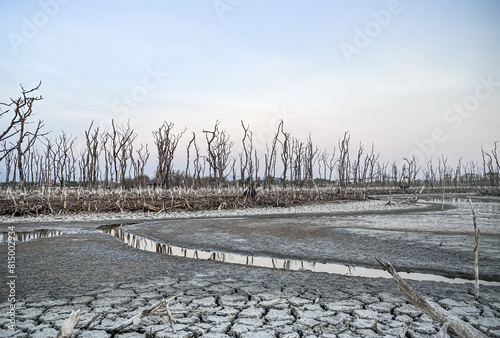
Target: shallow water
(146, 244)
(24, 236)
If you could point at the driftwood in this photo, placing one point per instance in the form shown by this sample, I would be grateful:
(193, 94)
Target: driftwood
(68, 325)
(432, 309)
(413, 199)
(160, 309)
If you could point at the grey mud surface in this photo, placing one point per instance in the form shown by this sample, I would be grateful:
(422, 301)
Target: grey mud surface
(97, 273)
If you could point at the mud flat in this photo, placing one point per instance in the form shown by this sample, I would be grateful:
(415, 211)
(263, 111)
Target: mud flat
(97, 273)
(341, 207)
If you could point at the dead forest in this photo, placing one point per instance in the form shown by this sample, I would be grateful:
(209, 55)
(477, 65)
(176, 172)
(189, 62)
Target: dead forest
(45, 174)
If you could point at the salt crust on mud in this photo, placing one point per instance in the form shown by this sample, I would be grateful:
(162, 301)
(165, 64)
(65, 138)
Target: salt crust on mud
(342, 207)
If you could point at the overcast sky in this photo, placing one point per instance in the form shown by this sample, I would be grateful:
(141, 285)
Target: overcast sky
(414, 77)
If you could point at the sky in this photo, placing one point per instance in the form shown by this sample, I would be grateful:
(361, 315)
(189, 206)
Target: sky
(415, 78)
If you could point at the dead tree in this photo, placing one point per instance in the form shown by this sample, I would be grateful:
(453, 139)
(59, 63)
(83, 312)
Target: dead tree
(89, 159)
(26, 138)
(246, 160)
(343, 162)
(9, 132)
(8, 161)
(457, 175)
(369, 163)
(48, 161)
(296, 161)
(429, 174)
(22, 109)
(197, 167)
(395, 173)
(166, 143)
(63, 159)
(322, 165)
(413, 169)
(270, 158)
(121, 139)
(218, 152)
(496, 172)
(491, 166)
(310, 158)
(108, 160)
(286, 153)
(331, 165)
(187, 172)
(256, 164)
(356, 165)
(140, 162)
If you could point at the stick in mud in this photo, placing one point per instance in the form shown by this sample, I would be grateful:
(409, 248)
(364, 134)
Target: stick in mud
(476, 250)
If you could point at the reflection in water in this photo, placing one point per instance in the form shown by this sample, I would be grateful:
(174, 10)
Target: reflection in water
(24, 236)
(266, 262)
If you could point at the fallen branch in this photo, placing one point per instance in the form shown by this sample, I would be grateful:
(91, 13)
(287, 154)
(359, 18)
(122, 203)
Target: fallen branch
(433, 310)
(68, 325)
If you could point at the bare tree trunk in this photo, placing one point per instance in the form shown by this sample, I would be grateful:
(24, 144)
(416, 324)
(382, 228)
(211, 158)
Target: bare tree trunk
(343, 163)
(270, 158)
